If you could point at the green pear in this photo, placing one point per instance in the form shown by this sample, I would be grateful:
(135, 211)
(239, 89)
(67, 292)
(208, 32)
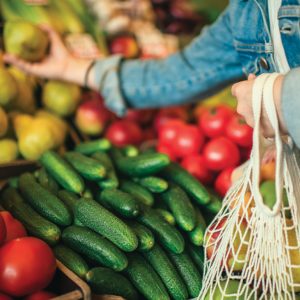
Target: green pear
(8, 87)
(61, 98)
(25, 40)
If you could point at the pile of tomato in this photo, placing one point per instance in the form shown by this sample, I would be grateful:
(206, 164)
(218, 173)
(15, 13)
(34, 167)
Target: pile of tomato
(27, 264)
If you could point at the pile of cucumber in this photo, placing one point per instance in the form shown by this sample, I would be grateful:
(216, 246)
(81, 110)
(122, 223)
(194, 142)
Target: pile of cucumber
(128, 223)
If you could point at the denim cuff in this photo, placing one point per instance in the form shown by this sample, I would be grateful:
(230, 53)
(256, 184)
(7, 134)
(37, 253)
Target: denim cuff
(290, 103)
(108, 82)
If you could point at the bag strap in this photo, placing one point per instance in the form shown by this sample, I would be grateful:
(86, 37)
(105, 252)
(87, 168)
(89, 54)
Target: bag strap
(263, 95)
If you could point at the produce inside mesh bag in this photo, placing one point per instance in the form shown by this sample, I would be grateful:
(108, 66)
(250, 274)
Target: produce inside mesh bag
(253, 245)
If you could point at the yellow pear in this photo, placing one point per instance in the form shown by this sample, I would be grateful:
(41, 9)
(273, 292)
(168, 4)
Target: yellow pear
(8, 87)
(3, 122)
(21, 122)
(9, 150)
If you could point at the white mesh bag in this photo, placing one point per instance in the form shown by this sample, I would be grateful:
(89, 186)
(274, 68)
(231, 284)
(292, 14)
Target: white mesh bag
(253, 249)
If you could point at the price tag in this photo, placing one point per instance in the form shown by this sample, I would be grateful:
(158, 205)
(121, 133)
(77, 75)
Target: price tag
(83, 46)
(36, 2)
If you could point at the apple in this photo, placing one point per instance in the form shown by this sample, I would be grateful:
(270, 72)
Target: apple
(91, 117)
(236, 249)
(125, 45)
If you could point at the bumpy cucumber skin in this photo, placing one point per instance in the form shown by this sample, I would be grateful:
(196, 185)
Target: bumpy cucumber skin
(196, 236)
(181, 207)
(94, 246)
(111, 180)
(197, 255)
(120, 202)
(153, 184)
(166, 215)
(68, 198)
(46, 181)
(62, 172)
(160, 262)
(71, 260)
(139, 192)
(89, 148)
(187, 182)
(168, 235)
(188, 272)
(140, 166)
(45, 203)
(144, 278)
(33, 222)
(99, 219)
(87, 167)
(104, 281)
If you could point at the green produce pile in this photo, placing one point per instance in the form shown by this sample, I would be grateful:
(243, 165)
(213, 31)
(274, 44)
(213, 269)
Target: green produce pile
(128, 223)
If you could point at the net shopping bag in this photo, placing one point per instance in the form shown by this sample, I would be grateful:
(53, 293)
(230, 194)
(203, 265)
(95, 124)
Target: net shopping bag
(252, 246)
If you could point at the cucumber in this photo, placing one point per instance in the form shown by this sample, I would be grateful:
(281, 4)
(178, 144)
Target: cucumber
(13, 182)
(88, 194)
(102, 221)
(166, 215)
(168, 235)
(33, 222)
(197, 255)
(46, 181)
(45, 203)
(111, 180)
(89, 168)
(91, 147)
(160, 262)
(140, 166)
(119, 202)
(181, 207)
(144, 235)
(71, 260)
(153, 184)
(188, 272)
(94, 246)
(187, 182)
(214, 205)
(62, 172)
(104, 281)
(196, 236)
(69, 199)
(144, 278)
(139, 192)
(130, 151)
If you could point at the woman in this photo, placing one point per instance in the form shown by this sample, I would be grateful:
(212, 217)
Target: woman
(244, 41)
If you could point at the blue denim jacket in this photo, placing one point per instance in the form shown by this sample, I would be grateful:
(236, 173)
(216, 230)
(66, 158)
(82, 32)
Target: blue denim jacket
(237, 44)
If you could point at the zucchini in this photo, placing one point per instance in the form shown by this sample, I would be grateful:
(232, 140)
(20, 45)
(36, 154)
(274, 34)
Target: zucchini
(71, 260)
(89, 168)
(160, 262)
(120, 202)
(62, 172)
(153, 184)
(144, 278)
(181, 207)
(102, 221)
(95, 247)
(139, 192)
(91, 147)
(45, 203)
(187, 182)
(104, 281)
(33, 222)
(168, 235)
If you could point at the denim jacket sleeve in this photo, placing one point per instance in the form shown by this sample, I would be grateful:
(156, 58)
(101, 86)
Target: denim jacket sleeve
(208, 63)
(291, 104)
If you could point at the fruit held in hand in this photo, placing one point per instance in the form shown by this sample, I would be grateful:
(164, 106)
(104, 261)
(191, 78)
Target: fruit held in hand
(125, 45)
(61, 97)
(8, 87)
(25, 40)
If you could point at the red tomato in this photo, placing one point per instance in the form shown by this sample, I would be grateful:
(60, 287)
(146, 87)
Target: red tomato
(2, 231)
(149, 134)
(199, 110)
(5, 297)
(239, 132)
(165, 114)
(14, 228)
(195, 164)
(168, 132)
(40, 295)
(161, 148)
(140, 116)
(223, 181)
(221, 153)
(189, 140)
(124, 132)
(27, 265)
(213, 122)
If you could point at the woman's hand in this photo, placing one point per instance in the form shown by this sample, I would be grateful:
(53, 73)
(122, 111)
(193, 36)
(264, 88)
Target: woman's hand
(59, 64)
(243, 93)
